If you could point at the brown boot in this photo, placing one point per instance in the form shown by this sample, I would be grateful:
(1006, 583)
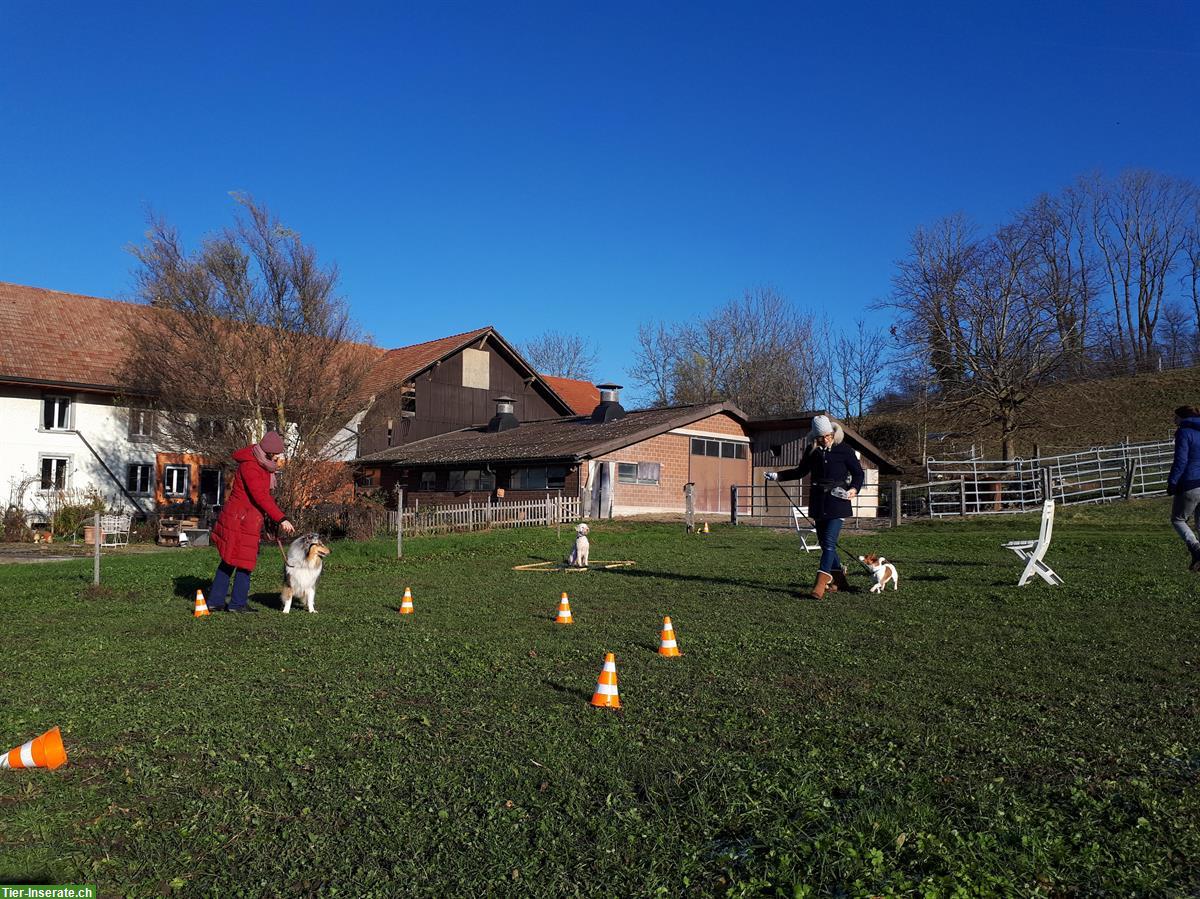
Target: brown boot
(822, 584)
(840, 581)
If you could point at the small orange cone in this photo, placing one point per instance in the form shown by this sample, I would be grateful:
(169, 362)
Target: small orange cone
(706, 527)
(406, 606)
(667, 645)
(201, 606)
(45, 751)
(564, 611)
(607, 696)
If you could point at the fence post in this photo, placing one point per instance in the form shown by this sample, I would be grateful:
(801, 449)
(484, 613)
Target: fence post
(896, 503)
(733, 509)
(1127, 489)
(96, 538)
(549, 508)
(689, 506)
(470, 513)
(962, 496)
(399, 522)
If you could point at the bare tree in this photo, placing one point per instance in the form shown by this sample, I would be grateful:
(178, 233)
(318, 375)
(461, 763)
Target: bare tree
(974, 309)
(563, 355)
(1139, 223)
(857, 369)
(756, 351)
(1177, 335)
(244, 335)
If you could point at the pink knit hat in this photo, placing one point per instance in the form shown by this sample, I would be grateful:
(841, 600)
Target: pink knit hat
(271, 442)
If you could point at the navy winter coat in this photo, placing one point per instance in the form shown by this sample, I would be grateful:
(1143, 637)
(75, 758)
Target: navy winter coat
(834, 467)
(1185, 472)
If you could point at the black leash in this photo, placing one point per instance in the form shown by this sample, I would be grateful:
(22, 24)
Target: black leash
(837, 543)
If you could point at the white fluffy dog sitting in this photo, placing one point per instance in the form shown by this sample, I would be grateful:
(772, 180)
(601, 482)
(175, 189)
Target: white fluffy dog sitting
(302, 570)
(579, 553)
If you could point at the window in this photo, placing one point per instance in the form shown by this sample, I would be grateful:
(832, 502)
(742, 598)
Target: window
(724, 449)
(141, 423)
(428, 480)
(471, 479)
(54, 472)
(210, 427)
(776, 450)
(476, 369)
(175, 481)
(56, 413)
(638, 473)
(408, 401)
(137, 477)
(546, 477)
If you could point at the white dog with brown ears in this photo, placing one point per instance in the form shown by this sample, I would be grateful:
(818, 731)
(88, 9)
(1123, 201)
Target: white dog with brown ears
(302, 570)
(883, 570)
(579, 553)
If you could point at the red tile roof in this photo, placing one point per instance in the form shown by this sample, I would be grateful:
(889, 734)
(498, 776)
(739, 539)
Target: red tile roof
(399, 365)
(62, 338)
(582, 396)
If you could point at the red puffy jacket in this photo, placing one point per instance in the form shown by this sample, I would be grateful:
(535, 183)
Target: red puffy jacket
(239, 527)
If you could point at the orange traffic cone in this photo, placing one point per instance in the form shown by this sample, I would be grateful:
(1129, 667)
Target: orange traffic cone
(564, 611)
(406, 606)
(201, 606)
(45, 751)
(667, 645)
(607, 696)
(706, 527)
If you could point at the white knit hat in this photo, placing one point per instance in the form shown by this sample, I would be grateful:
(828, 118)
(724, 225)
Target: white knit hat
(821, 425)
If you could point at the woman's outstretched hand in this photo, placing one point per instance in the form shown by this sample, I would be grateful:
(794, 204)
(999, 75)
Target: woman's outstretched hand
(287, 527)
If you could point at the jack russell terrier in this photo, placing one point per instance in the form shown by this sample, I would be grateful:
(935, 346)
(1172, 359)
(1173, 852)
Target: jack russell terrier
(883, 570)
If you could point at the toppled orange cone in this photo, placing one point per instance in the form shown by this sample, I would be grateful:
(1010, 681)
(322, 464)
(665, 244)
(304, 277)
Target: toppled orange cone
(564, 612)
(406, 606)
(201, 606)
(46, 751)
(667, 645)
(607, 696)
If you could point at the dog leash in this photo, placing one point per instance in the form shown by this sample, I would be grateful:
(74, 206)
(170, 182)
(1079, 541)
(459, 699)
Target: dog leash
(837, 544)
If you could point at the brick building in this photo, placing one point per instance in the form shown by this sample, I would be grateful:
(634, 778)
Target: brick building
(617, 462)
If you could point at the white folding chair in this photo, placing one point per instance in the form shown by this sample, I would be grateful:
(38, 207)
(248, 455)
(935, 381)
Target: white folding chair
(1032, 551)
(115, 529)
(804, 529)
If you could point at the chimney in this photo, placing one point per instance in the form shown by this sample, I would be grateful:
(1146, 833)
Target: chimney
(610, 406)
(504, 419)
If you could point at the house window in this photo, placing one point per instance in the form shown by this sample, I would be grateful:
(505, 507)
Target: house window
(470, 479)
(54, 472)
(776, 450)
(646, 473)
(723, 449)
(546, 477)
(175, 481)
(141, 423)
(137, 477)
(210, 428)
(408, 401)
(56, 413)
(428, 480)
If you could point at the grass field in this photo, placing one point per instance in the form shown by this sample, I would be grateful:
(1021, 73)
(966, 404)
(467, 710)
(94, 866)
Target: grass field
(959, 737)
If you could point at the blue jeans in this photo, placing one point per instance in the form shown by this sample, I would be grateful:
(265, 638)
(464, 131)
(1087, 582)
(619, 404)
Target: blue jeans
(828, 532)
(220, 586)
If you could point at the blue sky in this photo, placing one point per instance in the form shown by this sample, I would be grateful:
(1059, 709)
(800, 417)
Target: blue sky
(583, 167)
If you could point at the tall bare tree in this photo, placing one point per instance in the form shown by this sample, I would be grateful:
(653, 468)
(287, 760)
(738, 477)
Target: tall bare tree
(857, 370)
(757, 351)
(564, 355)
(246, 334)
(1139, 223)
(975, 310)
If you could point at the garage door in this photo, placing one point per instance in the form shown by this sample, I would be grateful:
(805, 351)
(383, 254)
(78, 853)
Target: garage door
(714, 466)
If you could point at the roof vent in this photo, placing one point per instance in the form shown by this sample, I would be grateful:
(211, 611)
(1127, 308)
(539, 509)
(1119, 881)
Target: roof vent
(610, 408)
(504, 419)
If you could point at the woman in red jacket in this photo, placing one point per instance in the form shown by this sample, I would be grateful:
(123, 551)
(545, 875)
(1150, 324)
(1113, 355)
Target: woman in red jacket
(238, 530)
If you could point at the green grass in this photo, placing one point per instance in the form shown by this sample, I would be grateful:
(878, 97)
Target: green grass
(959, 737)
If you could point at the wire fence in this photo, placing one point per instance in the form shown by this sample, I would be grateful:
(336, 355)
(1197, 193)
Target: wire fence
(993, 487)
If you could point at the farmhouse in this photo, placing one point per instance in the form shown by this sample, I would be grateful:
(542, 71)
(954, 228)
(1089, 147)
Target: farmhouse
(616, 462)
(71, 426)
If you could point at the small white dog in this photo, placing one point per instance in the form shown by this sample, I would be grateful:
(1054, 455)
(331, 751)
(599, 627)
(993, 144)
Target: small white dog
(302, 570)
(579, 554)
(883, 570)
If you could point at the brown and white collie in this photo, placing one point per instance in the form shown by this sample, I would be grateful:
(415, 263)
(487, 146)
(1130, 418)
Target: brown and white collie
(302, 570)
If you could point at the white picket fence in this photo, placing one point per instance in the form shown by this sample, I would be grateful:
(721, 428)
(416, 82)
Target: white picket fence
(478, 516)
(993, 486)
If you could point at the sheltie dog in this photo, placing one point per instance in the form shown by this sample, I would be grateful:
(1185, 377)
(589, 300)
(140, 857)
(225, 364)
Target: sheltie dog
(302, 570)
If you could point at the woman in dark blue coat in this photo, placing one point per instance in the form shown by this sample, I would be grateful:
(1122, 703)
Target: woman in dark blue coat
(1183, 481)
(837, 477)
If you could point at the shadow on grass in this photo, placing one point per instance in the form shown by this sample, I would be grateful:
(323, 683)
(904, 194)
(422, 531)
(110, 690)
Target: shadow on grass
(187, 585)
(269, 601)
(929, 577)
(675, 576)
(573, 692)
